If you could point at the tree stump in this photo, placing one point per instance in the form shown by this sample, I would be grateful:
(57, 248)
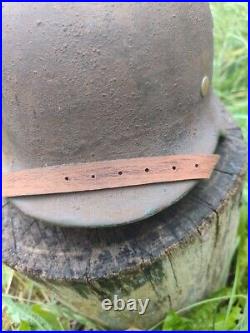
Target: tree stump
(174, 258)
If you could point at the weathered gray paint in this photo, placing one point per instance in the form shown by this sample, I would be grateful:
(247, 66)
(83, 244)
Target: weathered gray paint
(94, 81)
(175, 258)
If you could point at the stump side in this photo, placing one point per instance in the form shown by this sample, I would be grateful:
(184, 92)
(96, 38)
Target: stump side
(185, 274)
(173, 258)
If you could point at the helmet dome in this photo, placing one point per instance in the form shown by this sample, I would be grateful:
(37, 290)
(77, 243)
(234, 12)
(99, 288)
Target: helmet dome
(100, 81)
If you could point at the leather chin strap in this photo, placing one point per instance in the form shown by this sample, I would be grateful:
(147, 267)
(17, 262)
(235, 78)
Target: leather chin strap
(107, 174)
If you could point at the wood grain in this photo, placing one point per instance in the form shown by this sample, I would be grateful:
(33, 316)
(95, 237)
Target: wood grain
(176, 257)
(108, 174)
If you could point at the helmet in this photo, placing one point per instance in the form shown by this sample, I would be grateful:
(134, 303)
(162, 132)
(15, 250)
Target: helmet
(103, 81)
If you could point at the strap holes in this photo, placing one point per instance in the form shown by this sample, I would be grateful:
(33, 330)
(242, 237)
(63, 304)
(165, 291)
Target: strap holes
(66, 178)
(196, 165)
(120, 173)
(147, 170)
(174, 167)
(93, 176)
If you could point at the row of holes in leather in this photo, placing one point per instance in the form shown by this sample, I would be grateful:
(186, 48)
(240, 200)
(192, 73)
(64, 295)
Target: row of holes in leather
(120, 172)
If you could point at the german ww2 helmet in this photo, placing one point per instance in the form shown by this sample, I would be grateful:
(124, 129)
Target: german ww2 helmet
(89, 82)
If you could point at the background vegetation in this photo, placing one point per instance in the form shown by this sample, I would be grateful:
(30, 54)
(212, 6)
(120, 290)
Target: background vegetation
(28, 307)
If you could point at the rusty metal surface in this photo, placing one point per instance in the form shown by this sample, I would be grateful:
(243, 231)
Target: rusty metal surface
(95, 81)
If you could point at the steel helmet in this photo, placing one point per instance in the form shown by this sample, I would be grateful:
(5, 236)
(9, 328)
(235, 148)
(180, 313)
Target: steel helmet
(89, 82)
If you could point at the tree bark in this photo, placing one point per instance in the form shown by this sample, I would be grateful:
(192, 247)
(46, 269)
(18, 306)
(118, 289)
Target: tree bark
(174, 258)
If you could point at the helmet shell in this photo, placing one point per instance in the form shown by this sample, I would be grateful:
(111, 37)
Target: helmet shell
(99, 81)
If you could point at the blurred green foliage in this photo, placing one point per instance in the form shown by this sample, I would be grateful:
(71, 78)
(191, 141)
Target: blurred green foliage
(231, 58)
(27, 306)
(227, 309)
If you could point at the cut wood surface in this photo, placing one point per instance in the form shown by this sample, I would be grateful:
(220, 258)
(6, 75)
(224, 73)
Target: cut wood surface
(107, 174)
(174, 258)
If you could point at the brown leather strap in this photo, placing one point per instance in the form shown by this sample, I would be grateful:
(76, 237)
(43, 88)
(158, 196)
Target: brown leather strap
(107, 174)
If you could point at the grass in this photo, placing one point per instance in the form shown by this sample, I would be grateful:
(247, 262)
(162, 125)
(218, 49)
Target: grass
(26, 306)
